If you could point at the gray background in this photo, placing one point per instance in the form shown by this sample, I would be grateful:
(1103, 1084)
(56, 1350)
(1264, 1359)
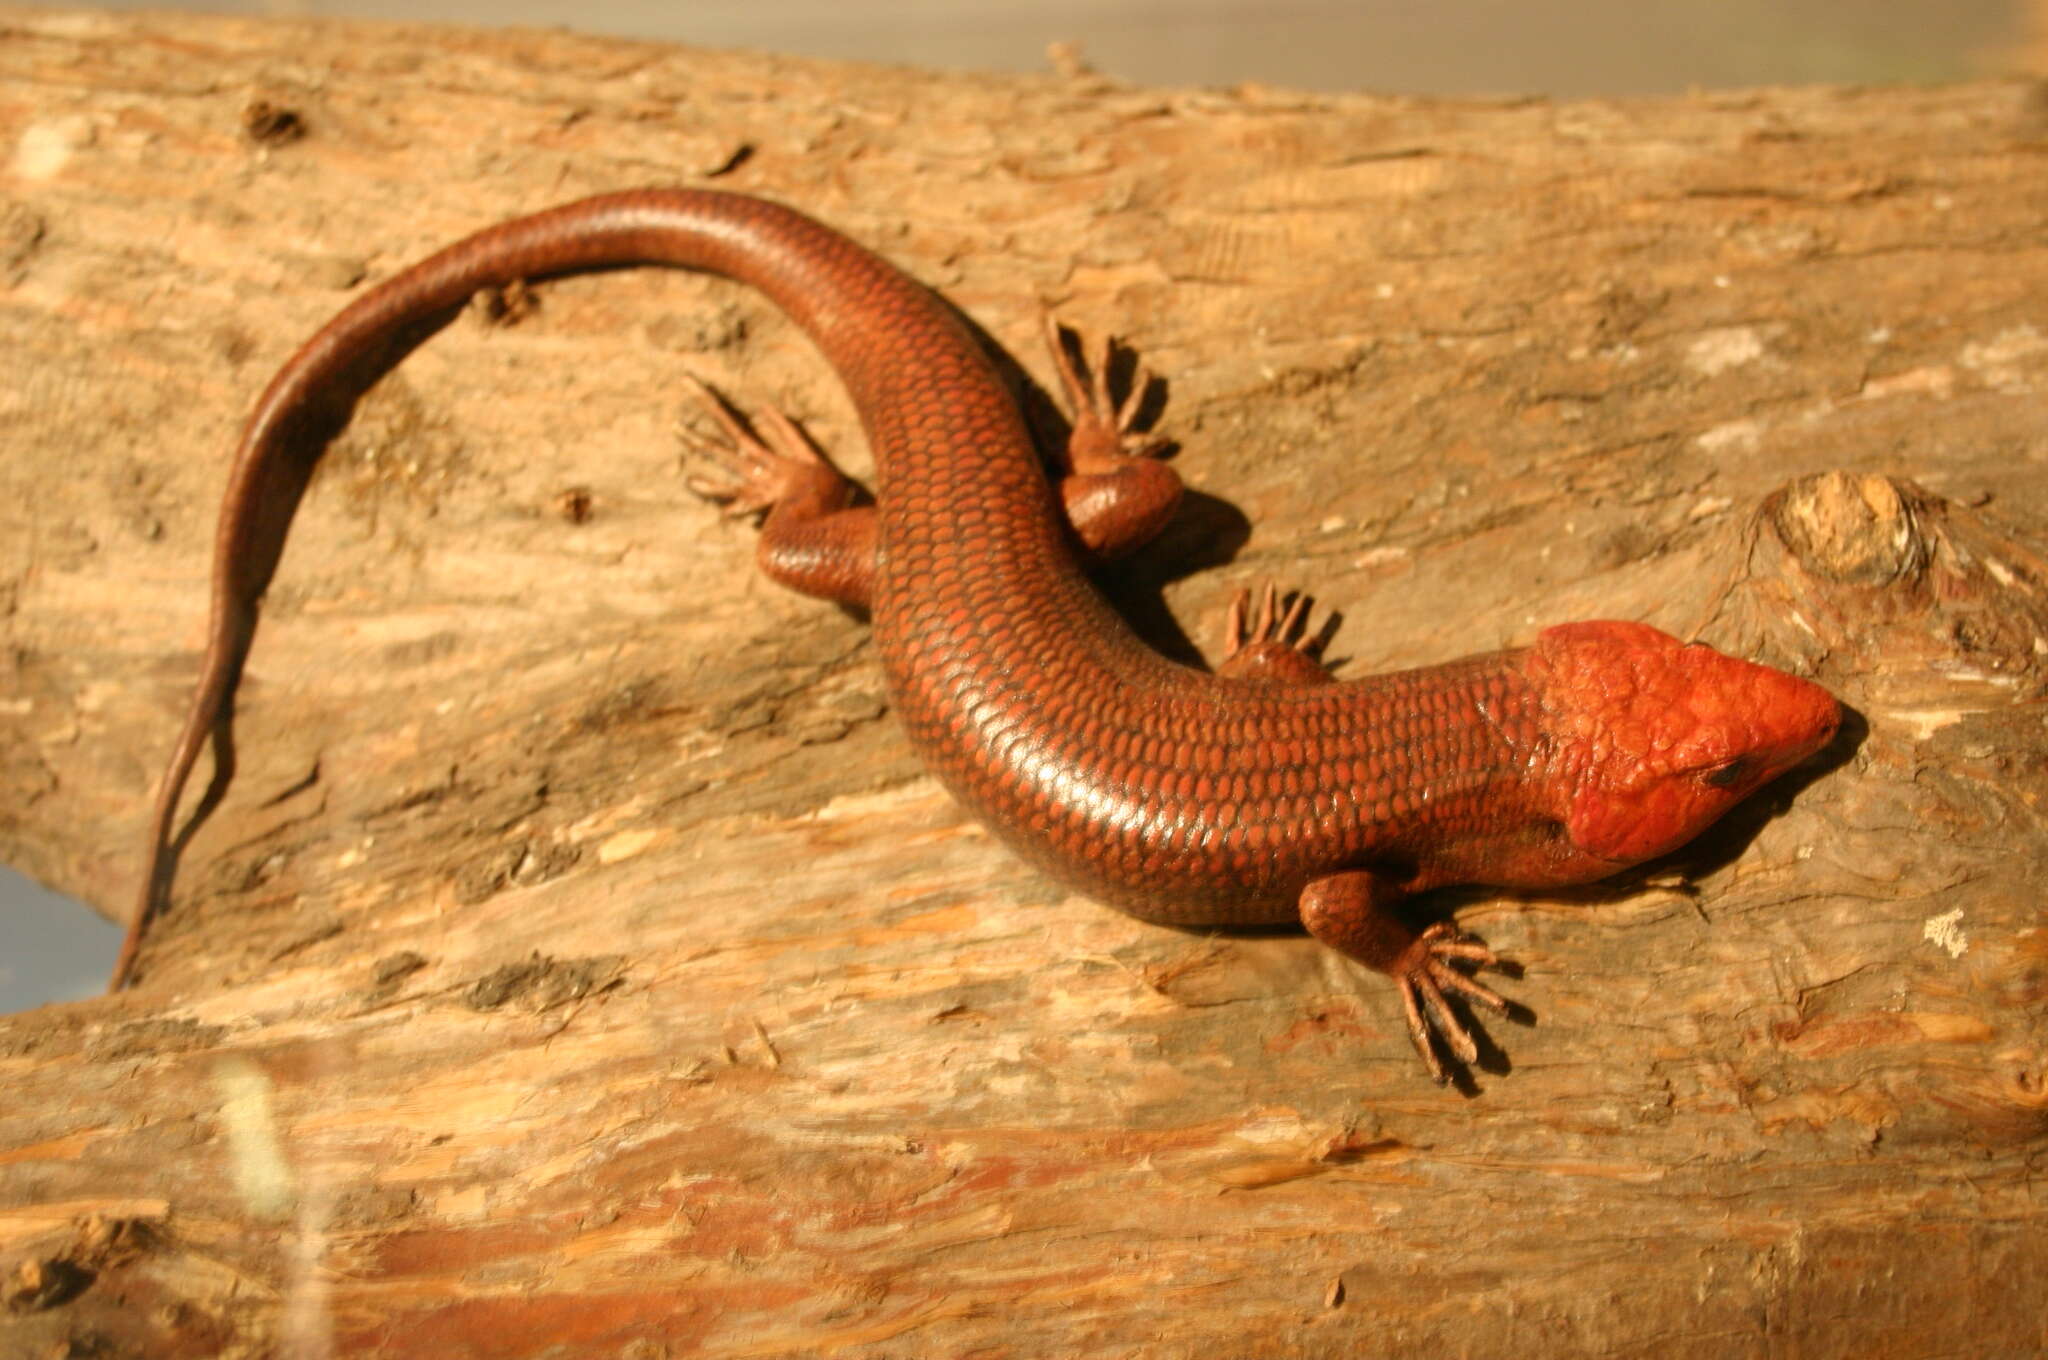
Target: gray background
(51, 949)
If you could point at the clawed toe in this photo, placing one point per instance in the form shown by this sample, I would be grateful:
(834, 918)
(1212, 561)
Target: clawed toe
(1425, 977)
(1288, 628)
(1276, 645)
(1104, 428)
(751, 467)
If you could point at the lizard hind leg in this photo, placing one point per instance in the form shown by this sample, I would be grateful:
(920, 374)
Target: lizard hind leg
(1350, 912)
(814, 538)
(1116, 492)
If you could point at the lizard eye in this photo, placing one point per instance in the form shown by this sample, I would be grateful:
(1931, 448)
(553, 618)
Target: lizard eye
(1729, 775)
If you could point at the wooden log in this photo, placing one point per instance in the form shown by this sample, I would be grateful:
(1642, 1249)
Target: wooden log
(580, 963)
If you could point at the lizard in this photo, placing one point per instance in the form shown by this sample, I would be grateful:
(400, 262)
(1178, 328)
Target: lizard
(1265, 791)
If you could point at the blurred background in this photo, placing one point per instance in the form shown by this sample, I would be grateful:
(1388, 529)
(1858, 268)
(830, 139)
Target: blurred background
(1553, 47)
(52, 949)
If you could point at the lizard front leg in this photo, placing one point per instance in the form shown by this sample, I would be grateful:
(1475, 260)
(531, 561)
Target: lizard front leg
(1352, 913)
(1276, 645)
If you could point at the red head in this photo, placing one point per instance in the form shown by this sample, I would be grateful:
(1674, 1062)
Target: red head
(1650, 740)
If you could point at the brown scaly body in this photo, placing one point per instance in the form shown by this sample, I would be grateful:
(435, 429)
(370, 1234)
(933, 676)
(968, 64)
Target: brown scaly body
(1263, 792)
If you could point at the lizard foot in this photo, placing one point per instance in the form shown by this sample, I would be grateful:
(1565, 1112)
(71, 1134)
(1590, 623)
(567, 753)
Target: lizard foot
(749, 473)
(1424, 973)
(1105, 430)
(1276, 644)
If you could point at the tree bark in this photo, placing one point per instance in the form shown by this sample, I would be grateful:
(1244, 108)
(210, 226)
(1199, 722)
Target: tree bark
(580, 963)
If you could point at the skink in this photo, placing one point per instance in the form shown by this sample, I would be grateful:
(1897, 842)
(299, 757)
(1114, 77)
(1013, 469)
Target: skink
(1265, 791)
